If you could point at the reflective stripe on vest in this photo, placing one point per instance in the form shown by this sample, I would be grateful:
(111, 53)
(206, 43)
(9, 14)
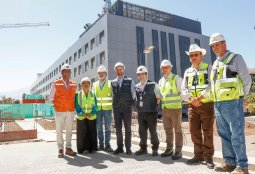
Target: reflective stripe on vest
(197, 81)
(225, 88)
(86, 103)
(171, 95)
(104, 95)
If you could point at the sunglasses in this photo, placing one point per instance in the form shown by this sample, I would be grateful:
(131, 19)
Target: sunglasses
(194, 55)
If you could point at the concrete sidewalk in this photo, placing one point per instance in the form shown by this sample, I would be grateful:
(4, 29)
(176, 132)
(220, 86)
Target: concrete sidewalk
(41, 157)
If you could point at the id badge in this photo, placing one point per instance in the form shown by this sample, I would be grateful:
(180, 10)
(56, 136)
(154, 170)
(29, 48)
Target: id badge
(141, 104)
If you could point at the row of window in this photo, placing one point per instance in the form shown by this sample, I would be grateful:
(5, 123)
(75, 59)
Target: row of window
(77, 55)
(184, 43)
(79, 70)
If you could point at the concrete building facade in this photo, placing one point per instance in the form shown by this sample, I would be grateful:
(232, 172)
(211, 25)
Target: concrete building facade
(122, 36)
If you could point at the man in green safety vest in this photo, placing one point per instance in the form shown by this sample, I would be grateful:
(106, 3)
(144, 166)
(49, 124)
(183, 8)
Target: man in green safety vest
(103, 92)
(230, 81)
(170, 89)
(196, 91)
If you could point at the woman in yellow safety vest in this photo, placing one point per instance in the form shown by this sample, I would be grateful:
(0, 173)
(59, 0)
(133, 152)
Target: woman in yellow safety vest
(86, 108)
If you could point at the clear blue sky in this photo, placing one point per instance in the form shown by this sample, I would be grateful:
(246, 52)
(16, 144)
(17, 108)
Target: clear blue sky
(26, 51)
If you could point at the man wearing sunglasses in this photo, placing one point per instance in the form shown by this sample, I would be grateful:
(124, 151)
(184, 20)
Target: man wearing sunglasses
(148, 97)
(170, 89)
(196, 91)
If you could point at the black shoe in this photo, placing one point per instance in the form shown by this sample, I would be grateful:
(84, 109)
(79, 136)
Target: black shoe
(167, 153)
(141, 152)
(101, 147)
(177, 155)
(154, 153)
(128, 152)
(118, 151)
(195, 160)
(108, 148)
(210, 164)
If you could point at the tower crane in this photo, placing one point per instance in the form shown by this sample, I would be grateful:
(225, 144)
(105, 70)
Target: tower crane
(19, 25)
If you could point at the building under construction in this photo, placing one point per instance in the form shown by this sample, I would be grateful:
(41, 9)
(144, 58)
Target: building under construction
(122, 33)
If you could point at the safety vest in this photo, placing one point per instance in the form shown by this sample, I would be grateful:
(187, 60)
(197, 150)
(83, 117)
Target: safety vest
(64, 98)
(171, 95)
(104, 95)
(226, 85)
(147, 97)
(86, 104)
(122, 96)
(197, 81)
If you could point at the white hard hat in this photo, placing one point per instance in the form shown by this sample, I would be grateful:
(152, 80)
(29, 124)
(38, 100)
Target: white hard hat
(65, 66)
(101, 69)
(86, 79)
(166, 63)
(141, 69)
(216, 37)
(195, 48)
(119, 64)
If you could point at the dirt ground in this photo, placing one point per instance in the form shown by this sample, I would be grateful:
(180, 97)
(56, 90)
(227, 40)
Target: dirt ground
(50, 124)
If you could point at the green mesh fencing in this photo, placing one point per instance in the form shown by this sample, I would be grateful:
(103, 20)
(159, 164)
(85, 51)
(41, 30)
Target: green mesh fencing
(26, 110)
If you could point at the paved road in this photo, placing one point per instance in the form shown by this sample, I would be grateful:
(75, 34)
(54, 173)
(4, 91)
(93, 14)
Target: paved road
(41, 157)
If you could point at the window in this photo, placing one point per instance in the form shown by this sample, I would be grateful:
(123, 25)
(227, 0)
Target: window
(184, 43)
(59, 68)
(86, 66)
(172, 52)
(140, 45)
(66, 60)
(79, 69)
(92, 62)
(101, 37)
(86, 48)
(197, 41)
(92, 43)
(213, 56)
(70, 60)
(156, 58)
(164, 45)
(102, 57)
(75, 72)
(74, 57)
(79, 53)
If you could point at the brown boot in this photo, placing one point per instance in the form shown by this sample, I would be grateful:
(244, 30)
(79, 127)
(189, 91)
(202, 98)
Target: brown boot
(240, 170)
(60, 153)
(195, 160)
(70, 152)
(225, 168)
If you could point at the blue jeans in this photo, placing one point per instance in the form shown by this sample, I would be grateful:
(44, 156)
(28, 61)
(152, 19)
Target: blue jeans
(230, 125)
(104, 117)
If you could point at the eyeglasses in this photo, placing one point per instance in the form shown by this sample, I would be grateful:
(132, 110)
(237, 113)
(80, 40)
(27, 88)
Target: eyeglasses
(141, 74)
(194, 55)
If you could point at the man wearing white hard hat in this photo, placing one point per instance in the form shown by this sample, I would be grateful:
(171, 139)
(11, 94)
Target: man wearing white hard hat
(123, 98)
(103, 92)
(148, 97)
(230, 81)
(170, 88)
(86, 108)
(196, 91)
(62, 96)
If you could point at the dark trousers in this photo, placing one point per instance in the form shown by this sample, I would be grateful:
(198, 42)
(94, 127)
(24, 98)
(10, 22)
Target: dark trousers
(86, 135)
(123, 114)
(148, 120)
(201, 121)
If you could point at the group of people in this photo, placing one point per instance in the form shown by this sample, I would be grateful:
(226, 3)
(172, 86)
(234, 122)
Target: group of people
(209, 90)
